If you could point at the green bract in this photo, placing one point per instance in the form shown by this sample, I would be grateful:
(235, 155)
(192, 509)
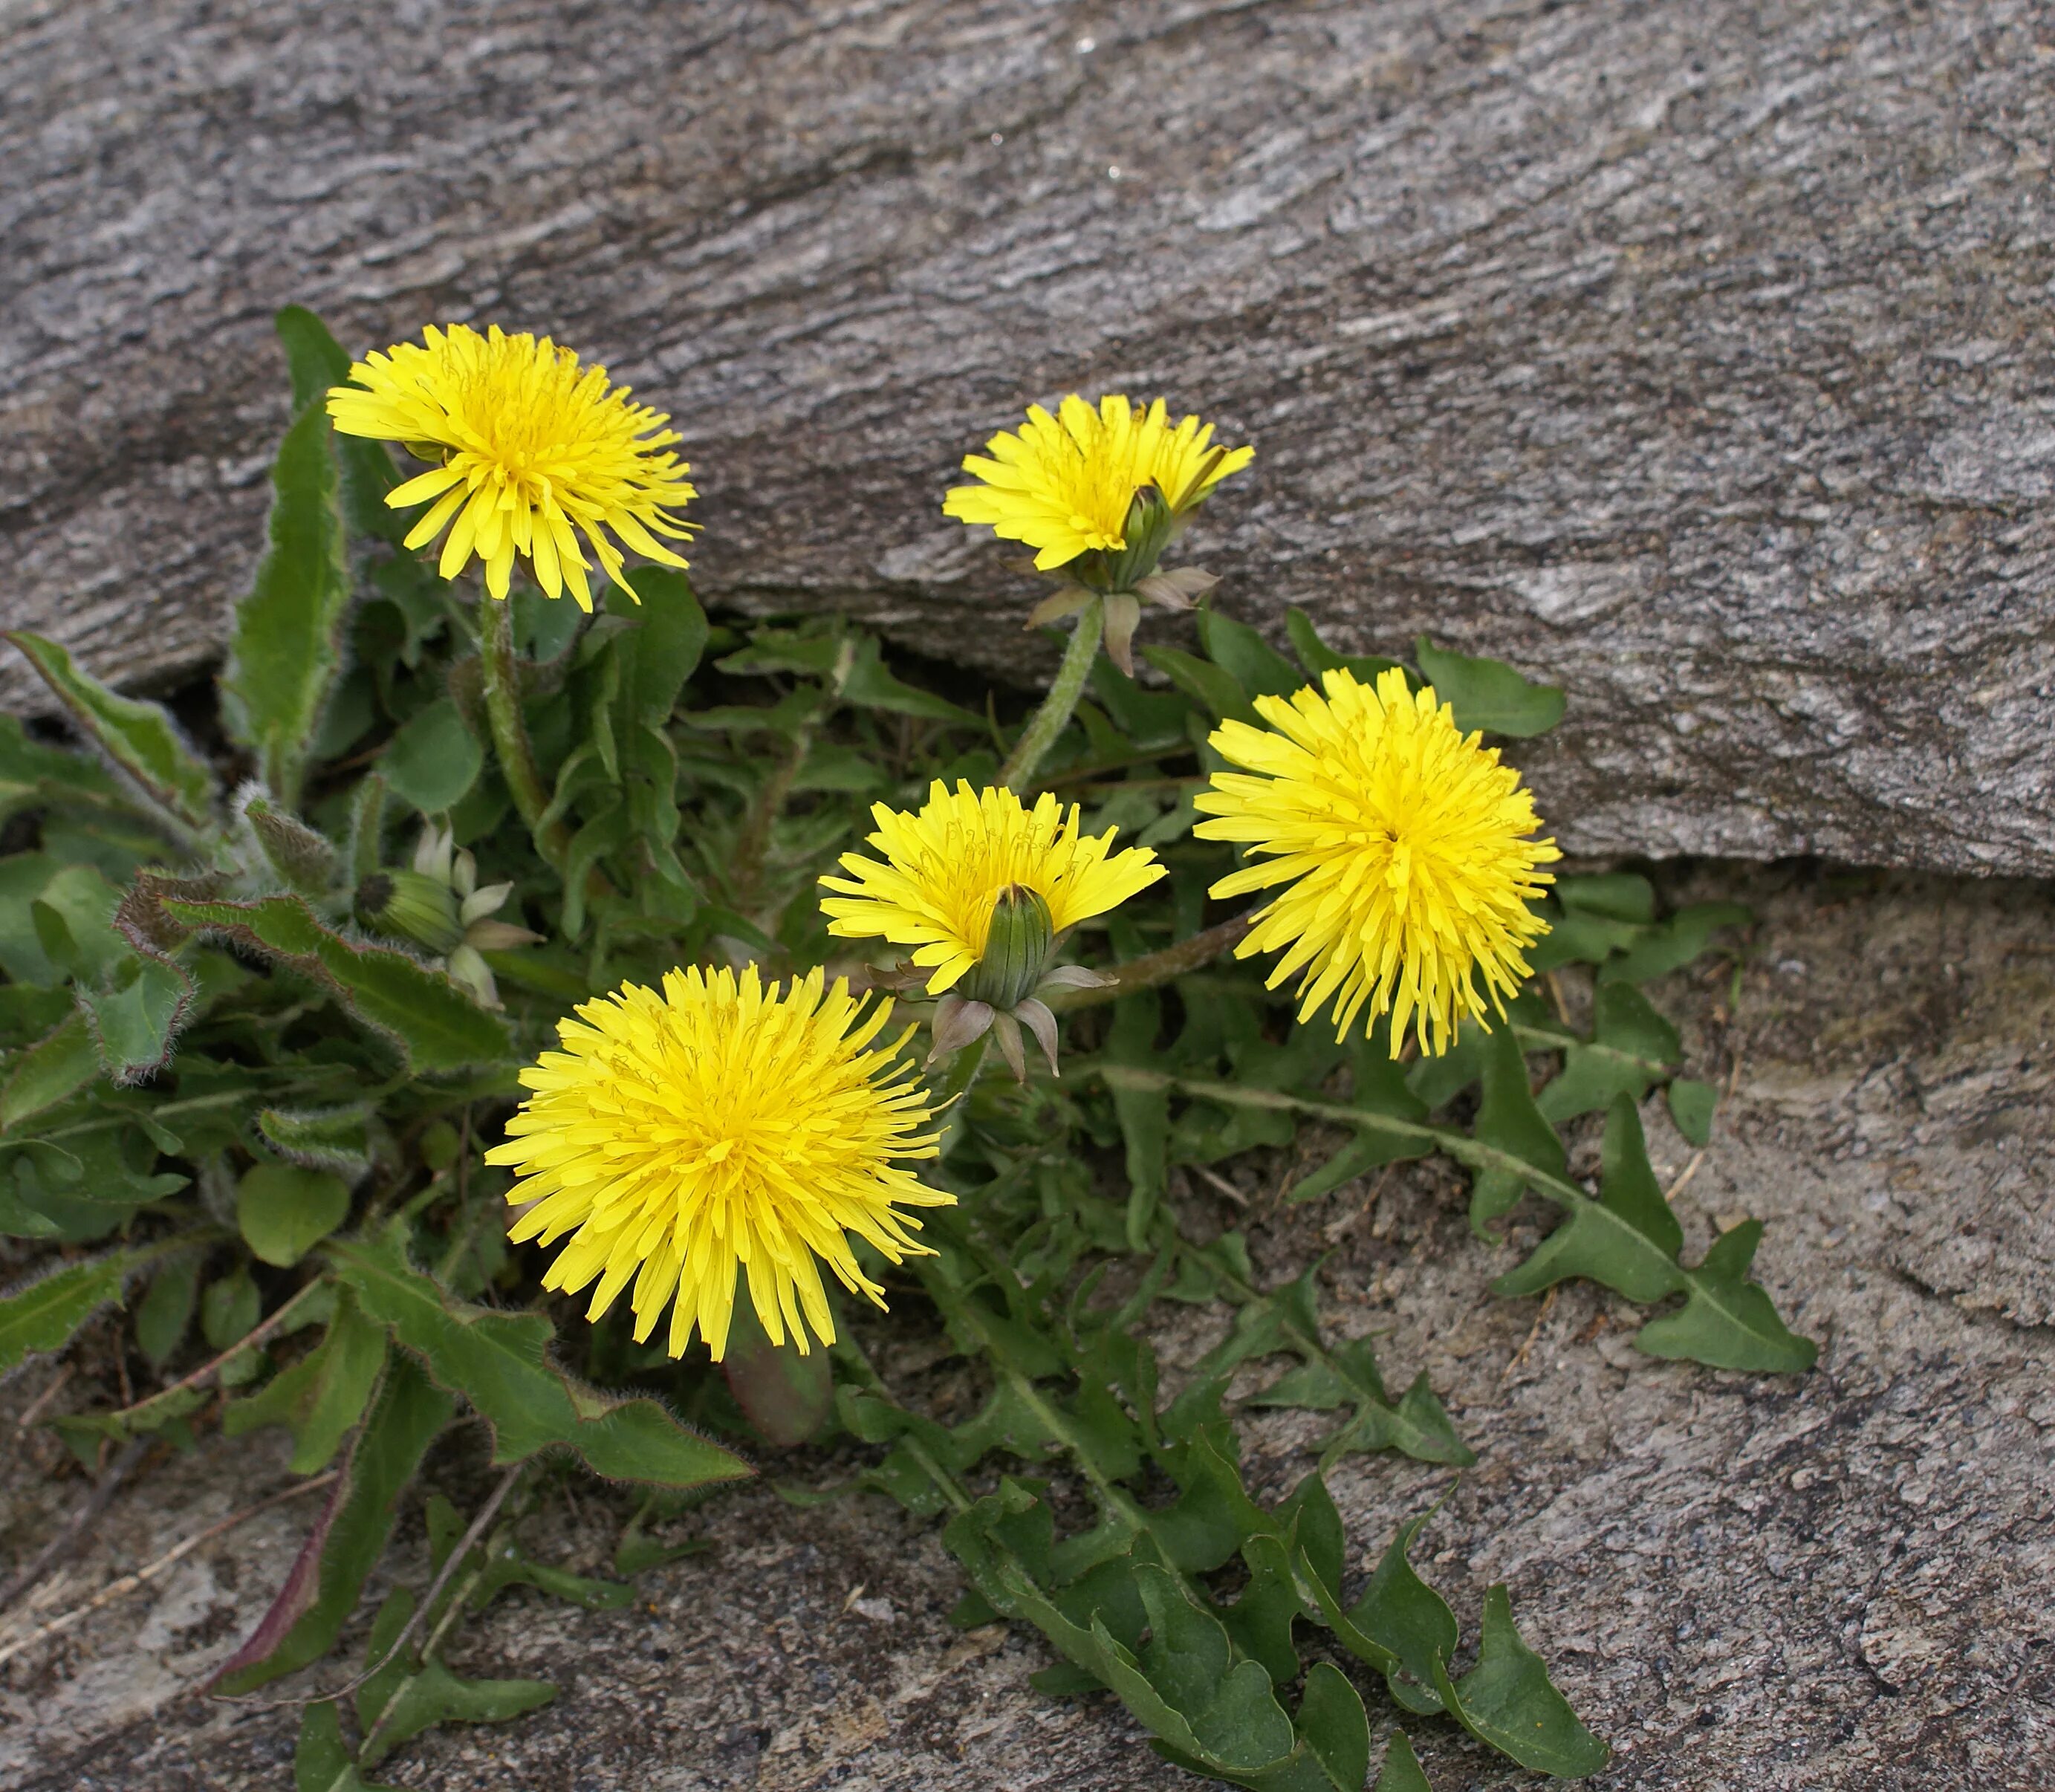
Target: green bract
(243, 1093)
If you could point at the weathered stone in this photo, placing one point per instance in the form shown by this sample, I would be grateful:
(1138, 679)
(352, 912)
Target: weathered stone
(1695, 355)
(1829, 1583)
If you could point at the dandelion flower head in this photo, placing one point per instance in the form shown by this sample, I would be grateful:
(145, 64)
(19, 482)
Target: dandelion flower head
(942, 869)
(1400, 845)
(1062, 485)
(721, 1129)
(530, 452)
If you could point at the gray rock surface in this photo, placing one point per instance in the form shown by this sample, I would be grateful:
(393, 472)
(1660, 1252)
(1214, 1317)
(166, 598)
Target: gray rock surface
(1698, 355)
(1836, 1583)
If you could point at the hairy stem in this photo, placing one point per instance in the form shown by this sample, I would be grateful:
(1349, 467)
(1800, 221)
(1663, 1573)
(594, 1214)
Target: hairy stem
(1155, 967)
(500, 675)
(1046, 722)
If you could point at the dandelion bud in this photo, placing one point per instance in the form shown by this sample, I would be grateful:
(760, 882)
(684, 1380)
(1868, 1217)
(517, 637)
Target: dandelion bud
(1147, 533)
(411, 906)
(1017, 947)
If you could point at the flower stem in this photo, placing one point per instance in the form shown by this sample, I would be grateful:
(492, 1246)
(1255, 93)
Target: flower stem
(1047, 722)
(501, 678)
(1155, 967)
(952, 1098)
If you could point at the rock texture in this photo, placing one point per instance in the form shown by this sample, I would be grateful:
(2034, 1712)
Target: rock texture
(1697, 354)
(1835, 1583)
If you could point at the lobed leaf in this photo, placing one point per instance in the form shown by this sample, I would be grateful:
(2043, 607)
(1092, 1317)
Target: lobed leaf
(499, 1362)
(317, 362)
(286, 648)
(1401, 1771)
(45, 1314)
(435, 1025)
(1257, 667)
(322, 1586)
(134, 1024)
(1727, 1320)
(433, 760)
(1213, 689)
(139, 739)
(1317, 656)
(1488, 694)
(1632, 1048)
(51, 1070)
(323, 1396)
(1629, 1241)
(410, 1694)
(322, 1760)
(1514, 1128)
(33, 775)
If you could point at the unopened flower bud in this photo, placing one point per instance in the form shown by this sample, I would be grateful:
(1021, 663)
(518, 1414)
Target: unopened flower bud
(411, 906)
(1016, 946)
(1150, 521)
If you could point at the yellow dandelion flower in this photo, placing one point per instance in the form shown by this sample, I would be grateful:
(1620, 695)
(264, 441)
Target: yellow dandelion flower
(945, 869)
(721, 1128)
(1064, 483)
(1403, 844)
(530, 451)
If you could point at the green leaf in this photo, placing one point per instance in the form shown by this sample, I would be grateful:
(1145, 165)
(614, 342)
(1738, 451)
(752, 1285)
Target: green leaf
(1727, 1320)
(869, 685)
(1334, 1727)
(133, 1026)
(1212, 688)
(286, 646)
(322, 1762)
(73, 916)
(1692, 1106)
(663, 650)
(1620, 896)
(499, 1361)
(230, 1308)
(1509, 1123)
(33, 775)
(165, 1313)
(317, 362)
(1670, 947)
(1144, 1112)
(1507, 1701)
(435, 1024)
(321, 1588)
(284, 1211)
(1489, 694)
(44, 1315)
(306, 860)
(434, 759)
(431, 1695)
(1380, 1092)
(1632, 1047)
(323, 1395)
(1401, 1772)
(1627, 1239)
(1258, 668)
(1408, 1626)
(139, 738)
(49, 1071)
(1317, 656)
(337, 1138)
